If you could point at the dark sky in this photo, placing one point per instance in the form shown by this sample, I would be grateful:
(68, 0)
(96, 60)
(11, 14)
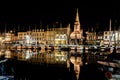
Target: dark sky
(91, 13)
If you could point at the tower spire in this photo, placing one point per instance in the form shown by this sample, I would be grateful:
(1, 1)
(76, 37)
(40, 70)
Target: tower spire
(77, 16)
(77, 22)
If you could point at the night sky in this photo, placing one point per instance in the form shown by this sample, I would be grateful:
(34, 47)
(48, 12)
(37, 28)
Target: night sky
(91, 13)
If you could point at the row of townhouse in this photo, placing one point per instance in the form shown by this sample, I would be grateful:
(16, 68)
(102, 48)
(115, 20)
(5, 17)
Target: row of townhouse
(50, 36)
(106, 38)
(60, 36)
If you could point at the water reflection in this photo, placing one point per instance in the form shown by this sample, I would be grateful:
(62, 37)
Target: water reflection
(8, 54)
(69, 60)
(24, 55)
(77, 62)
(2, 52)
(37, 56)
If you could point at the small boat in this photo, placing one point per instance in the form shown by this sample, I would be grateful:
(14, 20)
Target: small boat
(3, 60)
(5, 77)
(111, 64)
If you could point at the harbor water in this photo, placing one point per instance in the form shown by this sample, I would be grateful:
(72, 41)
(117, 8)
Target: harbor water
(52, 65)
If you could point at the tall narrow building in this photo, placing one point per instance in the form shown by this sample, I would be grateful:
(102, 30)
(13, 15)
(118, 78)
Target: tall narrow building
(77, 34)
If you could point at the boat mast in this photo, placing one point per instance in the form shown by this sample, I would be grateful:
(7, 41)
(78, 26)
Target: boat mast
(110, 37)
(5, 30)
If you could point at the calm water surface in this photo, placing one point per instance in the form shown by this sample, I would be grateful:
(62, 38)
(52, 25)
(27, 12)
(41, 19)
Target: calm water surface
(51, 65)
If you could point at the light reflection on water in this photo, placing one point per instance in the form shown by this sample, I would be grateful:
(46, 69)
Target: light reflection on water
(29, 55)
(53, 57)
(61, 58)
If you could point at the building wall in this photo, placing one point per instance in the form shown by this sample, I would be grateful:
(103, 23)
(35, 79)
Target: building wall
(91, 37)
(21, 35)
(99, 38)
(1, 40)
(110, 37)
(39, 35)
(61, 36)
(50, 36)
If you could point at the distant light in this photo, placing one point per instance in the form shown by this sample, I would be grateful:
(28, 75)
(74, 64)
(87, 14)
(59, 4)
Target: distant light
(86, 63)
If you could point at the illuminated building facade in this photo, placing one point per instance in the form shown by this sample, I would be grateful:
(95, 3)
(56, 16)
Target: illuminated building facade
(1, 40)
(50, 36)
(110, 38)
(57, 36)
(91, 38)
(38, 35)
(21, 35)
(99, 38)
(61, 37)
(54, 36)
(9, 37)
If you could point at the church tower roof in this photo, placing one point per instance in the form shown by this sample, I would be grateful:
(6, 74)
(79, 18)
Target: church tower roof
(76, 34)
(77, 22)
(77, 17)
